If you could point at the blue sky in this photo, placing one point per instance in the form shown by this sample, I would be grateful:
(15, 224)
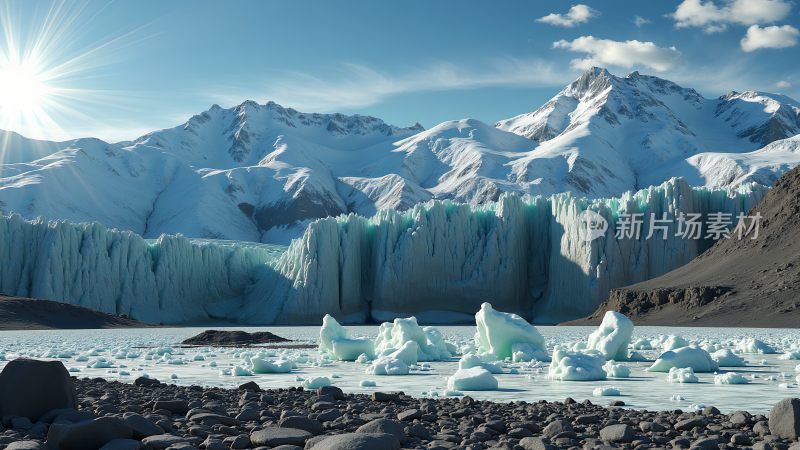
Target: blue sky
(135, 66)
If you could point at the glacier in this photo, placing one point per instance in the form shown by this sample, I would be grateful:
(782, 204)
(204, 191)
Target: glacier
(438, 261)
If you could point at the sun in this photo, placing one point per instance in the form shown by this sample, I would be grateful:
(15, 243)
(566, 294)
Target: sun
(23, 90)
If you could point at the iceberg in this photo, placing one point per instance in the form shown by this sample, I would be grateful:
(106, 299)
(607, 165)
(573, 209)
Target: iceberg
(438, 260)
(612, 337)
(730, 378)
(335, 342)
(428, 342)
(695, 358)
(752, 345)
(603, 391)
(575, 366)
(726, 358)
(472, 379)
(681, 375)
(505, 335)
(471, 360)
(615, 370)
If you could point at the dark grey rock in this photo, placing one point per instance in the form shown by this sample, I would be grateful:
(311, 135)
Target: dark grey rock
(358, 441)
(122, 444)
(301, 423)
(162, 441)
(30, 388)
(386, 426)
(784, 419)
(555, 427)
(706, 444)
(26, 445)
(535, 443)
(173, 406)
(274, 436)
(142, 427)
(617, 433)
(89, 435)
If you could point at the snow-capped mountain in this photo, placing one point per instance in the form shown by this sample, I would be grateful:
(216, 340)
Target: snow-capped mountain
(261, 172)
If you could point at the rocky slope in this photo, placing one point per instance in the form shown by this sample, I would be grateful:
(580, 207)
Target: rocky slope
(748, 282)
(28, 314)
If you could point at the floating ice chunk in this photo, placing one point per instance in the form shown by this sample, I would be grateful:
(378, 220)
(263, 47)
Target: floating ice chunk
(797, 379)
(429, 344)
(573, 366)
(74, 369)
(752, 345)
(642, 344)
(240, 371)
(797, 368)
(605, 392)
(677, 398)
(199, 358)
(387, 365)
(790, 355)
(368, 383)
(673, 342)
(472, 379)
(472, 360)
(726, 358)
(363, 358)
(612, 337)
(696, 358)
(681, 375)
(335, 342)
(259, 365)
(316, 382)
(730, 378)
(100, 363)
(615, 370)
(505, 335)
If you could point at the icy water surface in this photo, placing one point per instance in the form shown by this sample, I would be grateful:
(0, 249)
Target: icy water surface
(129, 353)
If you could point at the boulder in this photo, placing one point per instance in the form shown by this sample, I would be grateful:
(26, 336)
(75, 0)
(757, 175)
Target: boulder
(784, 419)
(384, 426)
(89, 435)
(30, 388)
(162, 441)
(301, 423)
(275, 436)
(142, 427)
(617, 433)
(26, 445)
(122, 444)
(358, 441)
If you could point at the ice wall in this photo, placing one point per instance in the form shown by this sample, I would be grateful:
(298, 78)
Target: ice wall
(169, 280)
(438, 261)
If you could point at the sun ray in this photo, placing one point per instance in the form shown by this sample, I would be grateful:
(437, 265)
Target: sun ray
(46, 66)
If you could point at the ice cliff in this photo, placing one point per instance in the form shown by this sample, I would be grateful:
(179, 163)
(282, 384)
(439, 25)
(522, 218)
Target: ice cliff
(438, 261)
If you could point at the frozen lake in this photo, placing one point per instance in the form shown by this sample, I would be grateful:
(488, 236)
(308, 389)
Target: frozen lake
(129, 353)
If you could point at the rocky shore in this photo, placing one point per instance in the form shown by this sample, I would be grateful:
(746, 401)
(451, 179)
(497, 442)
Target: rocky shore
(90, 414)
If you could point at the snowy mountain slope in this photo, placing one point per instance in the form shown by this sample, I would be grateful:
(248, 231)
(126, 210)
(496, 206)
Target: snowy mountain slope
(634, 124)
(263, 172)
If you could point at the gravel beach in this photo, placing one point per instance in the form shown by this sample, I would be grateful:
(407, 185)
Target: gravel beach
(153, 415)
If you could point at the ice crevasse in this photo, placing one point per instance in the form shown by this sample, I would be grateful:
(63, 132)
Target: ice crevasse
(438, 261)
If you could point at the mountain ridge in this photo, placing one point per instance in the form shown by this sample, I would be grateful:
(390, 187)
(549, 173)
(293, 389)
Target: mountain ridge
(261, 172)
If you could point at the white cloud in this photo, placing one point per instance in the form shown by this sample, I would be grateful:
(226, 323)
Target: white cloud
(577, 14)
(358, 86)
(627, 54)
(640, 21)
(769, 37)
(783, 84)
(713, 18)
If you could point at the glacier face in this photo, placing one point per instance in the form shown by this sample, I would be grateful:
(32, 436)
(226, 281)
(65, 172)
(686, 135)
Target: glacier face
(438, 261)
(263, 172)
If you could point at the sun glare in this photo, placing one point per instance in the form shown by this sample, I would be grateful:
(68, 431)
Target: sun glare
(23, 90)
